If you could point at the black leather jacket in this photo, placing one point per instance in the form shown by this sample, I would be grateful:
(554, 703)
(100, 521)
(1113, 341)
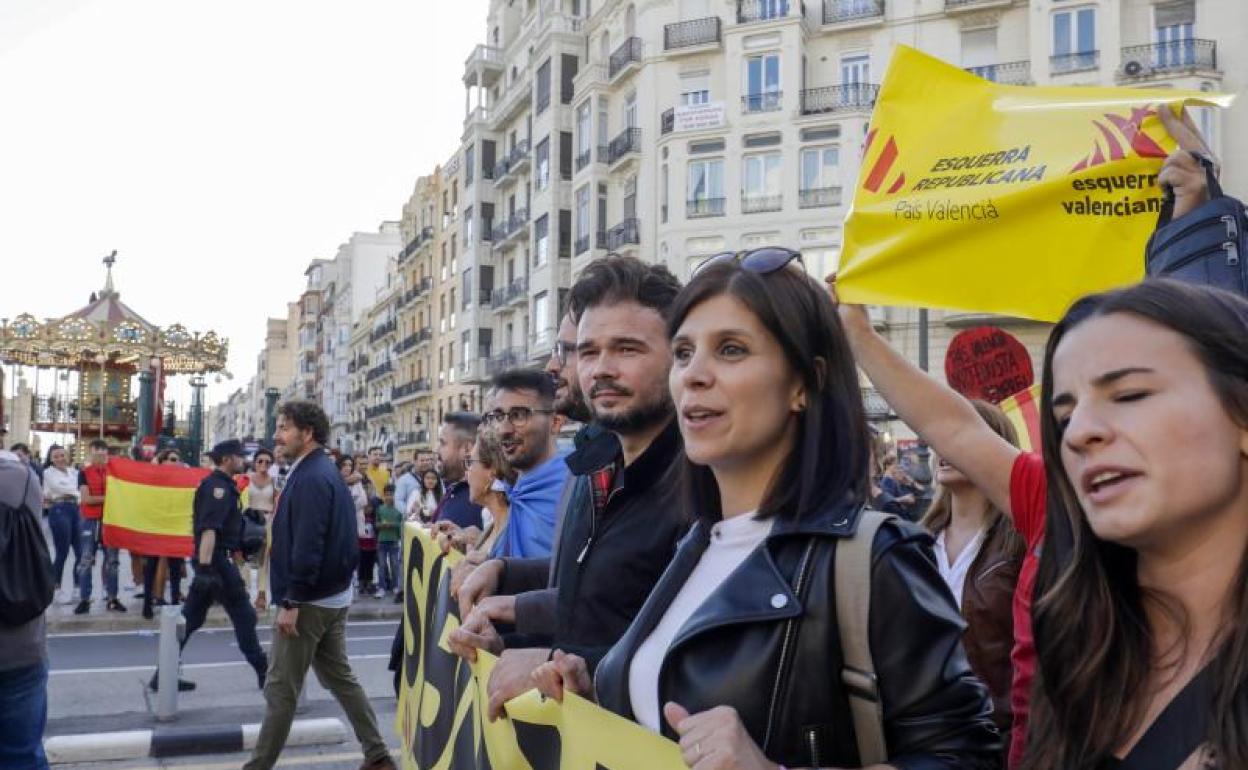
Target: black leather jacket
(936, 713)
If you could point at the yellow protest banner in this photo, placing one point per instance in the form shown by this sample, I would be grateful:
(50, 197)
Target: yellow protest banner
(442, 700)
(1006, 199)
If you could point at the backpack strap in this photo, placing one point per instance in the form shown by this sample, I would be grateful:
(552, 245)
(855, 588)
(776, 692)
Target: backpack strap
(853, 609)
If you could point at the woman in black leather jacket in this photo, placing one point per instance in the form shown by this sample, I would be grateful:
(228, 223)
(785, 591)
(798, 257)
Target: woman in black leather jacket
(738, 645)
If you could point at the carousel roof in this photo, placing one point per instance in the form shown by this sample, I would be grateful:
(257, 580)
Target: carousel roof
(107, 326)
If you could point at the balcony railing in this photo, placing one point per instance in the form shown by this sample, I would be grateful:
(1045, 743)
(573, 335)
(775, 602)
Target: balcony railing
(667, 121)
(517, 157)
(483, 297)
(583, 159)
(485, 56)
(425, 285)
(518, 289)
(819, 197)
(855, 96)
(623, 234)
(379, 371)
(411, 438)
(1014, 73)
(1083, 61)
(957, 5)
(1142, 61)
(424, 335)
(767, 102)
(508, 359)
(628, 141)
(840, 11)
(582, 244)
(409, 389)
(750, 11)
(684, 34)
(755, 204)
(408, 342)
(512, 225)
(424, 236)
(700, 208)
(628, 52)
(381, 410)
(382, 330)
(600, 239)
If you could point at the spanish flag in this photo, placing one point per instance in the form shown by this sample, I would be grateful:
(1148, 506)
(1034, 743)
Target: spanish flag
(1023, 409)
(147, 508)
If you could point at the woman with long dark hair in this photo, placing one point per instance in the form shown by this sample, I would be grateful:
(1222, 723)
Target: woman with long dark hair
(1141, 615)
(979, 553)
(738, 651)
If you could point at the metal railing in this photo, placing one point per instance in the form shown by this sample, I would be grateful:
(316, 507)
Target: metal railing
(382, 330)
(409, 389)
(408, 342)
(518, 289)
(508, 359)
(667, 121)
(600, 239)
(582, 244)
(411, 437)
(623, 234)
(755, 204)
(838, 11)
(381, 410)
(700, 208)
(855, 96)
(424, 285)
(684, 34)
(1141, 61)
(1015, 73)
(583, 159)
(424, 236)
(750, 11)
(1074, 62)
(483, 297)
(379, 371)
(765, 102)
(628, 52)
(424, 335)
(819, 197)
(628, 141)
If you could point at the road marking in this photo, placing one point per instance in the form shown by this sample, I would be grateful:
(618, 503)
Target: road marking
(288, 762)
(185, 666)
(141, 632)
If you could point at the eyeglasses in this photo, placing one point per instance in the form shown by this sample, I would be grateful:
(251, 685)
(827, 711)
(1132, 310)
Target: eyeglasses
(518, 416)
(469, 462)
(262, 462)
(766, 260)
(562, 350)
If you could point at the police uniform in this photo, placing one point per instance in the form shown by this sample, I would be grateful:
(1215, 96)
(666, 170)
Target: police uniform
(217, 508)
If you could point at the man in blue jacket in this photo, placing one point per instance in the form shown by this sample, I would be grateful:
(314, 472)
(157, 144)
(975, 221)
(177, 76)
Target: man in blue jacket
(311, 562)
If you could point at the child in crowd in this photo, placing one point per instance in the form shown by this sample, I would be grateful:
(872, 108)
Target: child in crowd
(389, 545)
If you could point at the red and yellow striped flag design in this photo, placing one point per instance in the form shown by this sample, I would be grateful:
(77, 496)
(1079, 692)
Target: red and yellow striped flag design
(147, 508)
(1023, 409)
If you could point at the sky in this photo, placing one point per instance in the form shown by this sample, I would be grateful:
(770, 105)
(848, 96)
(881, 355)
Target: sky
(218, 146)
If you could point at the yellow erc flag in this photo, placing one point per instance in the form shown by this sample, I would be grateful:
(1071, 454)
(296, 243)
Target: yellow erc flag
(442, 704)
(1006, 199)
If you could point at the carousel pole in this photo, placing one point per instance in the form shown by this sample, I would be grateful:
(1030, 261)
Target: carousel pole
(196, 428)
(103, 389)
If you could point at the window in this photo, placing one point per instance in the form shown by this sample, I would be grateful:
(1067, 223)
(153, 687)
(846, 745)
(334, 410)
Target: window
(760, 183)
(630, 111)
(820, 182)
(584, 137)
(567, 74)
(565, 156)
(602, 122)
(762, 83)
(663, 202)
(693, 98)
(706, 188)
(1175, 44)
(1074, 40)
(582, 219)
(856, 69)
(979, 52)
(487, 158)
(541, 315)
(468, 225)
(467, 292)
(541, 240)
(543, 164)
(602, 214)
(565, 233)
(543, 87)
(469, 156)
(695, 89)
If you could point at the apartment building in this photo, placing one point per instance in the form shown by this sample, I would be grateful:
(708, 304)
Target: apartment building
(413, 392)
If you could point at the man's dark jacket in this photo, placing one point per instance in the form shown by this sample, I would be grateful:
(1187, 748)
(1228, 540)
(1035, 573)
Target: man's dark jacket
(314, 545)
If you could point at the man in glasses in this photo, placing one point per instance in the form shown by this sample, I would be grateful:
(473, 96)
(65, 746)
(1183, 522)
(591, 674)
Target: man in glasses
(622, 519)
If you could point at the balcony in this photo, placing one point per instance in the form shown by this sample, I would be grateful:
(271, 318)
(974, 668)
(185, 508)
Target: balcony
(411, 438)
(767, 102)
(1017, 73)
(507, 359)
(409, 389)
(855, 97)
(424, 335)
(955, 6)
(687, 34)
(381, 410)
(407, 298)
(600, 240)
(1065, 64)
(424, 236)
(846, 11)
(757, 204)
(624, 234)
(383, 330)
(582, 244)
(629, 141)
(379, 371)
(485, 59)
(754, 11)
(702, 208)
(819, 197)
(626, 55)
(514, 225)
(517, 290)
(519, 93)
(407, 344)
(474, 369)
(1140, 62)
(516, 161)
(583, 159)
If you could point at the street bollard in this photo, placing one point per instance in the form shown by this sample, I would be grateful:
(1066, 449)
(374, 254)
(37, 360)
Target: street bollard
(167, 672)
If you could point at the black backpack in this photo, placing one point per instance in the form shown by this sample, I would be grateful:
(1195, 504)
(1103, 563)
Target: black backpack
(1207, 246)
(26, 583)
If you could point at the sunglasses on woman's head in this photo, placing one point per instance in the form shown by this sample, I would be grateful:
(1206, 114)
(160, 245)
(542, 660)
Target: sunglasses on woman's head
(768, 259)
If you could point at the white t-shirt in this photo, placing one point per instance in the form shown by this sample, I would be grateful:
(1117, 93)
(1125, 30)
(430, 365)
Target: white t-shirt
(732, 540)
(955, 573)
(59, 483)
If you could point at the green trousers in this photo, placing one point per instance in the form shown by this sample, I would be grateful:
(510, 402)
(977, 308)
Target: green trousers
(321, 645)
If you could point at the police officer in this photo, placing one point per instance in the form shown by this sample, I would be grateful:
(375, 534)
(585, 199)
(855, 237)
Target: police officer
(218, 526)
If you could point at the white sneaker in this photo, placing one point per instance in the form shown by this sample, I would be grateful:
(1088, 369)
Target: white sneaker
(378, 594)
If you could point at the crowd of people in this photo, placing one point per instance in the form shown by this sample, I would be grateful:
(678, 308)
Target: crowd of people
(719, 557)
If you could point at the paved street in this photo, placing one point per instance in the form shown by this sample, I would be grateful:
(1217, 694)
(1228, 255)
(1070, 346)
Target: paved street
(97, 685)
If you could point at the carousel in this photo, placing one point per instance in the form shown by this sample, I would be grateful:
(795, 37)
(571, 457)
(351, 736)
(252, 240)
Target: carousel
(72, 376)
